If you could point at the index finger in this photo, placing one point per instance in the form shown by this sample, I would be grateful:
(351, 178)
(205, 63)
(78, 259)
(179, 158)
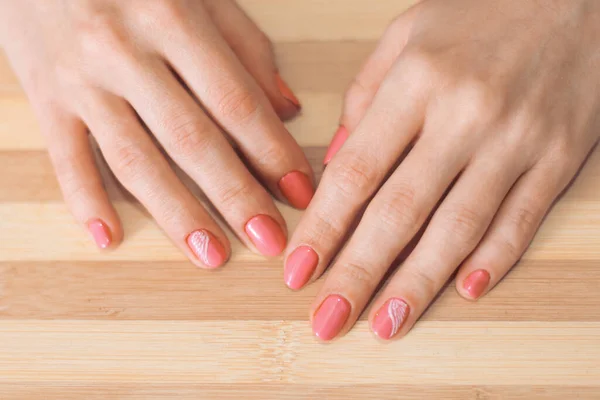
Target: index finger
(234, 99)
(355, 174)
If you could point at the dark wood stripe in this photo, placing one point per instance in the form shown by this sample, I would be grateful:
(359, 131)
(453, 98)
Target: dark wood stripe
(27, 176)
(534, 291)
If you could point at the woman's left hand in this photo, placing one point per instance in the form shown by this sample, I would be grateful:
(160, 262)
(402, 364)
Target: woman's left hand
(475, 113)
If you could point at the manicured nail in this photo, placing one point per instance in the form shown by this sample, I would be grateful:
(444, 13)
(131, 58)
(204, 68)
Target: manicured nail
(299, 267)
(287, 92)
(100, 232)
(390, 318)
(331, 317)
(207, 248)
(297, 189)
(266, 234)
(336, 144)
(476, 283)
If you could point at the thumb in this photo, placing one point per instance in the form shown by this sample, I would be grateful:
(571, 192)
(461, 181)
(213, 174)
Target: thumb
(365, 85)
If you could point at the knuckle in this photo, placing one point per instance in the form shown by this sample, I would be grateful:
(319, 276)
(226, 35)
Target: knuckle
(70, 76)
(235, 193)
(130, 162)
(420, 65)
(424, 281)
(101, 34)
(163, 12)
(355, 272)
(325, 229)
(399, 211)
(563, 153)
(74, 189)
(357, 175)
(356, 99)
(236, 103)
(524, 219)
(188, 136)
(271, 154)
(511, 247)
(479, 103)
(464, 224)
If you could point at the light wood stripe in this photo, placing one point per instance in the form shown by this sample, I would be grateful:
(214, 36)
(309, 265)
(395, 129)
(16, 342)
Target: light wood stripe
(534, 291)
(142, 323)
(261, 352)
(287, 391)
(301, 20)
(19, 130)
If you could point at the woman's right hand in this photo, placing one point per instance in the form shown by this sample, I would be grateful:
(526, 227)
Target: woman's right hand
(198, 75)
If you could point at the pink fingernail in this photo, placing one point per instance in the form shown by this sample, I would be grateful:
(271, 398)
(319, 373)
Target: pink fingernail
(390, 318)
(331, 317)
(476, 283)
(287, 92)
(297, 189)
(299, 267)
(207, 248)
(336, 144)
(266, 234)
(100, 232)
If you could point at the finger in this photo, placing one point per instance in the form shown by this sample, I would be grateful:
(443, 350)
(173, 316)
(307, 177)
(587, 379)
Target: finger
(354, 176)
(196, 144)
(454, 231)
(392, 219)
(365, 85)
(512, 231)
(141, 168)
(255, 51)
(237, 103)
(79, 179)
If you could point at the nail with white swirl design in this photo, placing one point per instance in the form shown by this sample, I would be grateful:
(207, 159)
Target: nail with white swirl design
(390, 318)
(207, 248)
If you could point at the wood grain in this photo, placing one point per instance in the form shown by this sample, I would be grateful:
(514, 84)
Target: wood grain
(142, 323)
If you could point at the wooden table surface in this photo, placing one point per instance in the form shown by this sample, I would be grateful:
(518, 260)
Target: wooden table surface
(142, 323)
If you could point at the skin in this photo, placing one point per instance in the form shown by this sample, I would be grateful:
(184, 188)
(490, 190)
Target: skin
(199, 75)
(475, 114)
(466, 131)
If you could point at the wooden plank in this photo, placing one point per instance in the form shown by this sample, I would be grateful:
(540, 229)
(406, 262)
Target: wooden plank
(169, 291)
(34, 167)
(287, 391)
(247, 352)
(571, 232)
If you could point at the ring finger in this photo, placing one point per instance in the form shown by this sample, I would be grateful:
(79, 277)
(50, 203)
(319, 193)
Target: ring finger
(141, 168)
(455, 230)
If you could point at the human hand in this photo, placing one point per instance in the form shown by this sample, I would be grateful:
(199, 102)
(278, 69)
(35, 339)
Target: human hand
(197, 74)
(474, 113)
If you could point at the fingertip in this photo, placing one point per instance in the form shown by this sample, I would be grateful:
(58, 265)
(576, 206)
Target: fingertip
(474, 285)
(210, 251)
(287, 93)
(297, 188)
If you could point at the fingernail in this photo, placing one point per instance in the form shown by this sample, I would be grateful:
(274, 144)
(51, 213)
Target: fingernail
(331, 317)
(207, 248)
(299, 267)
(390, 318)
(100, 232)
(336, 144)
(266, 234)
(476, 283)
(297, 189)
(287, 92)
